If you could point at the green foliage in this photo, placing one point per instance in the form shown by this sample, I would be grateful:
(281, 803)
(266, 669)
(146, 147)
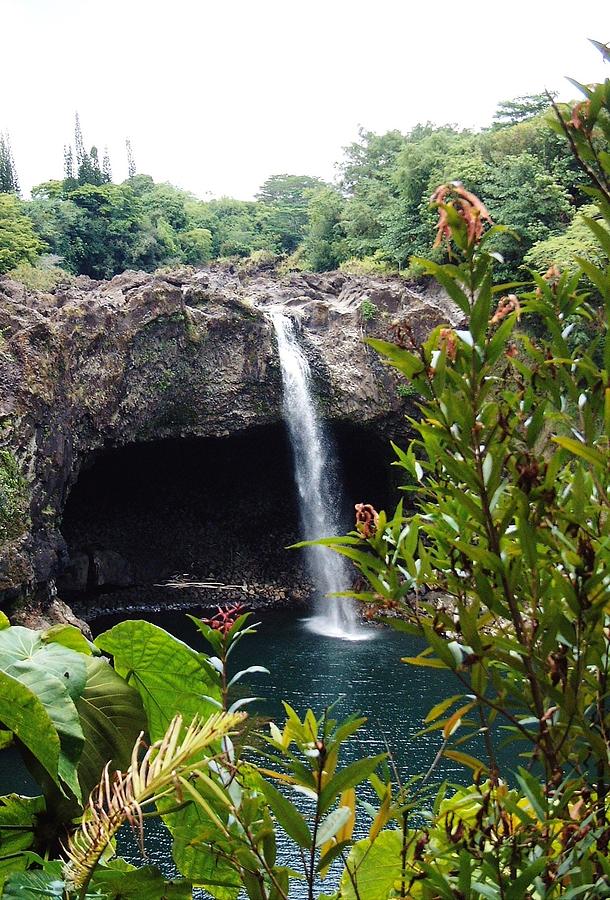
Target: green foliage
(14, 498)
(43, 276)
(512, 112)
(196, 244)
(511, 478)
(378, 212)
(368, 310)
(64, 706)
(368, 265)
(287, 198)
(324, 246)
(170, 677)
(407, 391)
(18, 241)
(9, 183)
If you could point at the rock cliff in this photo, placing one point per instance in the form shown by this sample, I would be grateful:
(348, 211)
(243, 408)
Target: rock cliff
(141, 358)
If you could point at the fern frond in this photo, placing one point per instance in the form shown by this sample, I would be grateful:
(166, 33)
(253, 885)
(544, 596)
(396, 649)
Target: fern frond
(120, 798)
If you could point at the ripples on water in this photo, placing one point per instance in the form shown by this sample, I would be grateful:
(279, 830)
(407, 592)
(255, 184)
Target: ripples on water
(310, 669)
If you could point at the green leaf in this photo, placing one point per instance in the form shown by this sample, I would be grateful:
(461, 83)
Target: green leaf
(22, 645)
(112, 718)
(55, 697)
(533, 791)
(427, 661)
(20, 815)
(602, 234)
(517, 889)
(442, 707)
(466, 760)
(196, 859)
(592, 455)
(288, 816)
(167, 673)
(348, 777)
(331, 824)
(23, 713)
(596, 275)
(4, 620)
(145, 882)
(331, 854)
(377, 866)
(69, 636)
(407, 363)
(33, 886)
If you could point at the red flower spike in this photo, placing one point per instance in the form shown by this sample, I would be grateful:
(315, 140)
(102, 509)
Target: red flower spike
(225, 618)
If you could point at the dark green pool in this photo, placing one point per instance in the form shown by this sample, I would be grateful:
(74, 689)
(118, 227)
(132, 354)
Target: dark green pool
(308, 669)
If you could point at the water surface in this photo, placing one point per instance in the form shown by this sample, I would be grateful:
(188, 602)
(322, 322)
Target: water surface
(309, 669)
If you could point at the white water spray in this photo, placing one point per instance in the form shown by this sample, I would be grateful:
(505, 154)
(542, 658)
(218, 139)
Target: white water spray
(316, 485)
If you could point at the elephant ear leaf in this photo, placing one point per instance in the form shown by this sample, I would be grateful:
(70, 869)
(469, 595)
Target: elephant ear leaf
(112, 717)
(55, 697)
(22, 645)
(170, 676)
(23, 713)
(56, 675)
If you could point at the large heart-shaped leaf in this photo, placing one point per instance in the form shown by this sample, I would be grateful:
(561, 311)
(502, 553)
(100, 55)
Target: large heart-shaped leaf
(112, 717)
(19, 644)
(146, 882)
(197, 860)
(375, 867)
(23, 713)
(56, 699)
(36, 884)
(168, 674)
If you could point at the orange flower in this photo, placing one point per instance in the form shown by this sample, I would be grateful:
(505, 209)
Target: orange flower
(468, 207)
(448, 342)
(580, 117)
(367, 518)
(506, 305)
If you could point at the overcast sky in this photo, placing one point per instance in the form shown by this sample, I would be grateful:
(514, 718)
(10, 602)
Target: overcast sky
(216, 95)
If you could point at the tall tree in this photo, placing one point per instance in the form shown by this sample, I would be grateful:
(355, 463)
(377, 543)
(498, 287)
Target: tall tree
(131, 163)
(519, 109)
(68, 162)
(9, 183)
(106, 167)
(79, 144)
(288, 198)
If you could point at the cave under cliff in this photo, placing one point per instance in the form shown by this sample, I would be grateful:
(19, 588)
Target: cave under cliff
(203, 510)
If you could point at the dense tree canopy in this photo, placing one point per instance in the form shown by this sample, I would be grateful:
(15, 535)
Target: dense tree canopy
(377, 215)
(18, 241)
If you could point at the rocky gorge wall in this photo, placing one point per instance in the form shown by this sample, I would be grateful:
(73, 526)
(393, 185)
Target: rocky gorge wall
(144, 359)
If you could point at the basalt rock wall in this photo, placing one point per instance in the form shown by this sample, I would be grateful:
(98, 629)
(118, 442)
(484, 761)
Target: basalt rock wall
(140, 358)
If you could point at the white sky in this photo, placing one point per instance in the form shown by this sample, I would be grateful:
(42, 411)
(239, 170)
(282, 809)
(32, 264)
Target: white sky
(216, 96)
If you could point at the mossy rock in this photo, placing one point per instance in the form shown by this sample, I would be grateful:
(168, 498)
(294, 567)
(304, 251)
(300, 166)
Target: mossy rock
(14, 498)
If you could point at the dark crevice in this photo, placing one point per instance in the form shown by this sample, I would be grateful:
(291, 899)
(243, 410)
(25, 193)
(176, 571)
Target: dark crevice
(202, 510)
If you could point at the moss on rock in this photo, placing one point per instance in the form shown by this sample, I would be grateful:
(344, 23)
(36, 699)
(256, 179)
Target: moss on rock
(14, 498)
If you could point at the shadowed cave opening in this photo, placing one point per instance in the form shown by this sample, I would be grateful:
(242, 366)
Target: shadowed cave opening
(203, 510)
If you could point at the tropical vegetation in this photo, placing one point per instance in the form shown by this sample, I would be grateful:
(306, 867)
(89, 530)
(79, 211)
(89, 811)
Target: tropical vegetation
(507, 487)
(375, 217)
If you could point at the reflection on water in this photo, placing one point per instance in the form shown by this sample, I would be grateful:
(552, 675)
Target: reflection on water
(311, 669)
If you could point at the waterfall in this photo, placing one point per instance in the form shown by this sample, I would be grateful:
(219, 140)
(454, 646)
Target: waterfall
(317, 487)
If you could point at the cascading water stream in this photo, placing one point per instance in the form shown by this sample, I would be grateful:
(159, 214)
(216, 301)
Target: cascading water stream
(317, 487)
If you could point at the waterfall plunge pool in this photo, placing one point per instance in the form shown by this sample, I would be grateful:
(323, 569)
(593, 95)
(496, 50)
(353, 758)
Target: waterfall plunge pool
(309, 669)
